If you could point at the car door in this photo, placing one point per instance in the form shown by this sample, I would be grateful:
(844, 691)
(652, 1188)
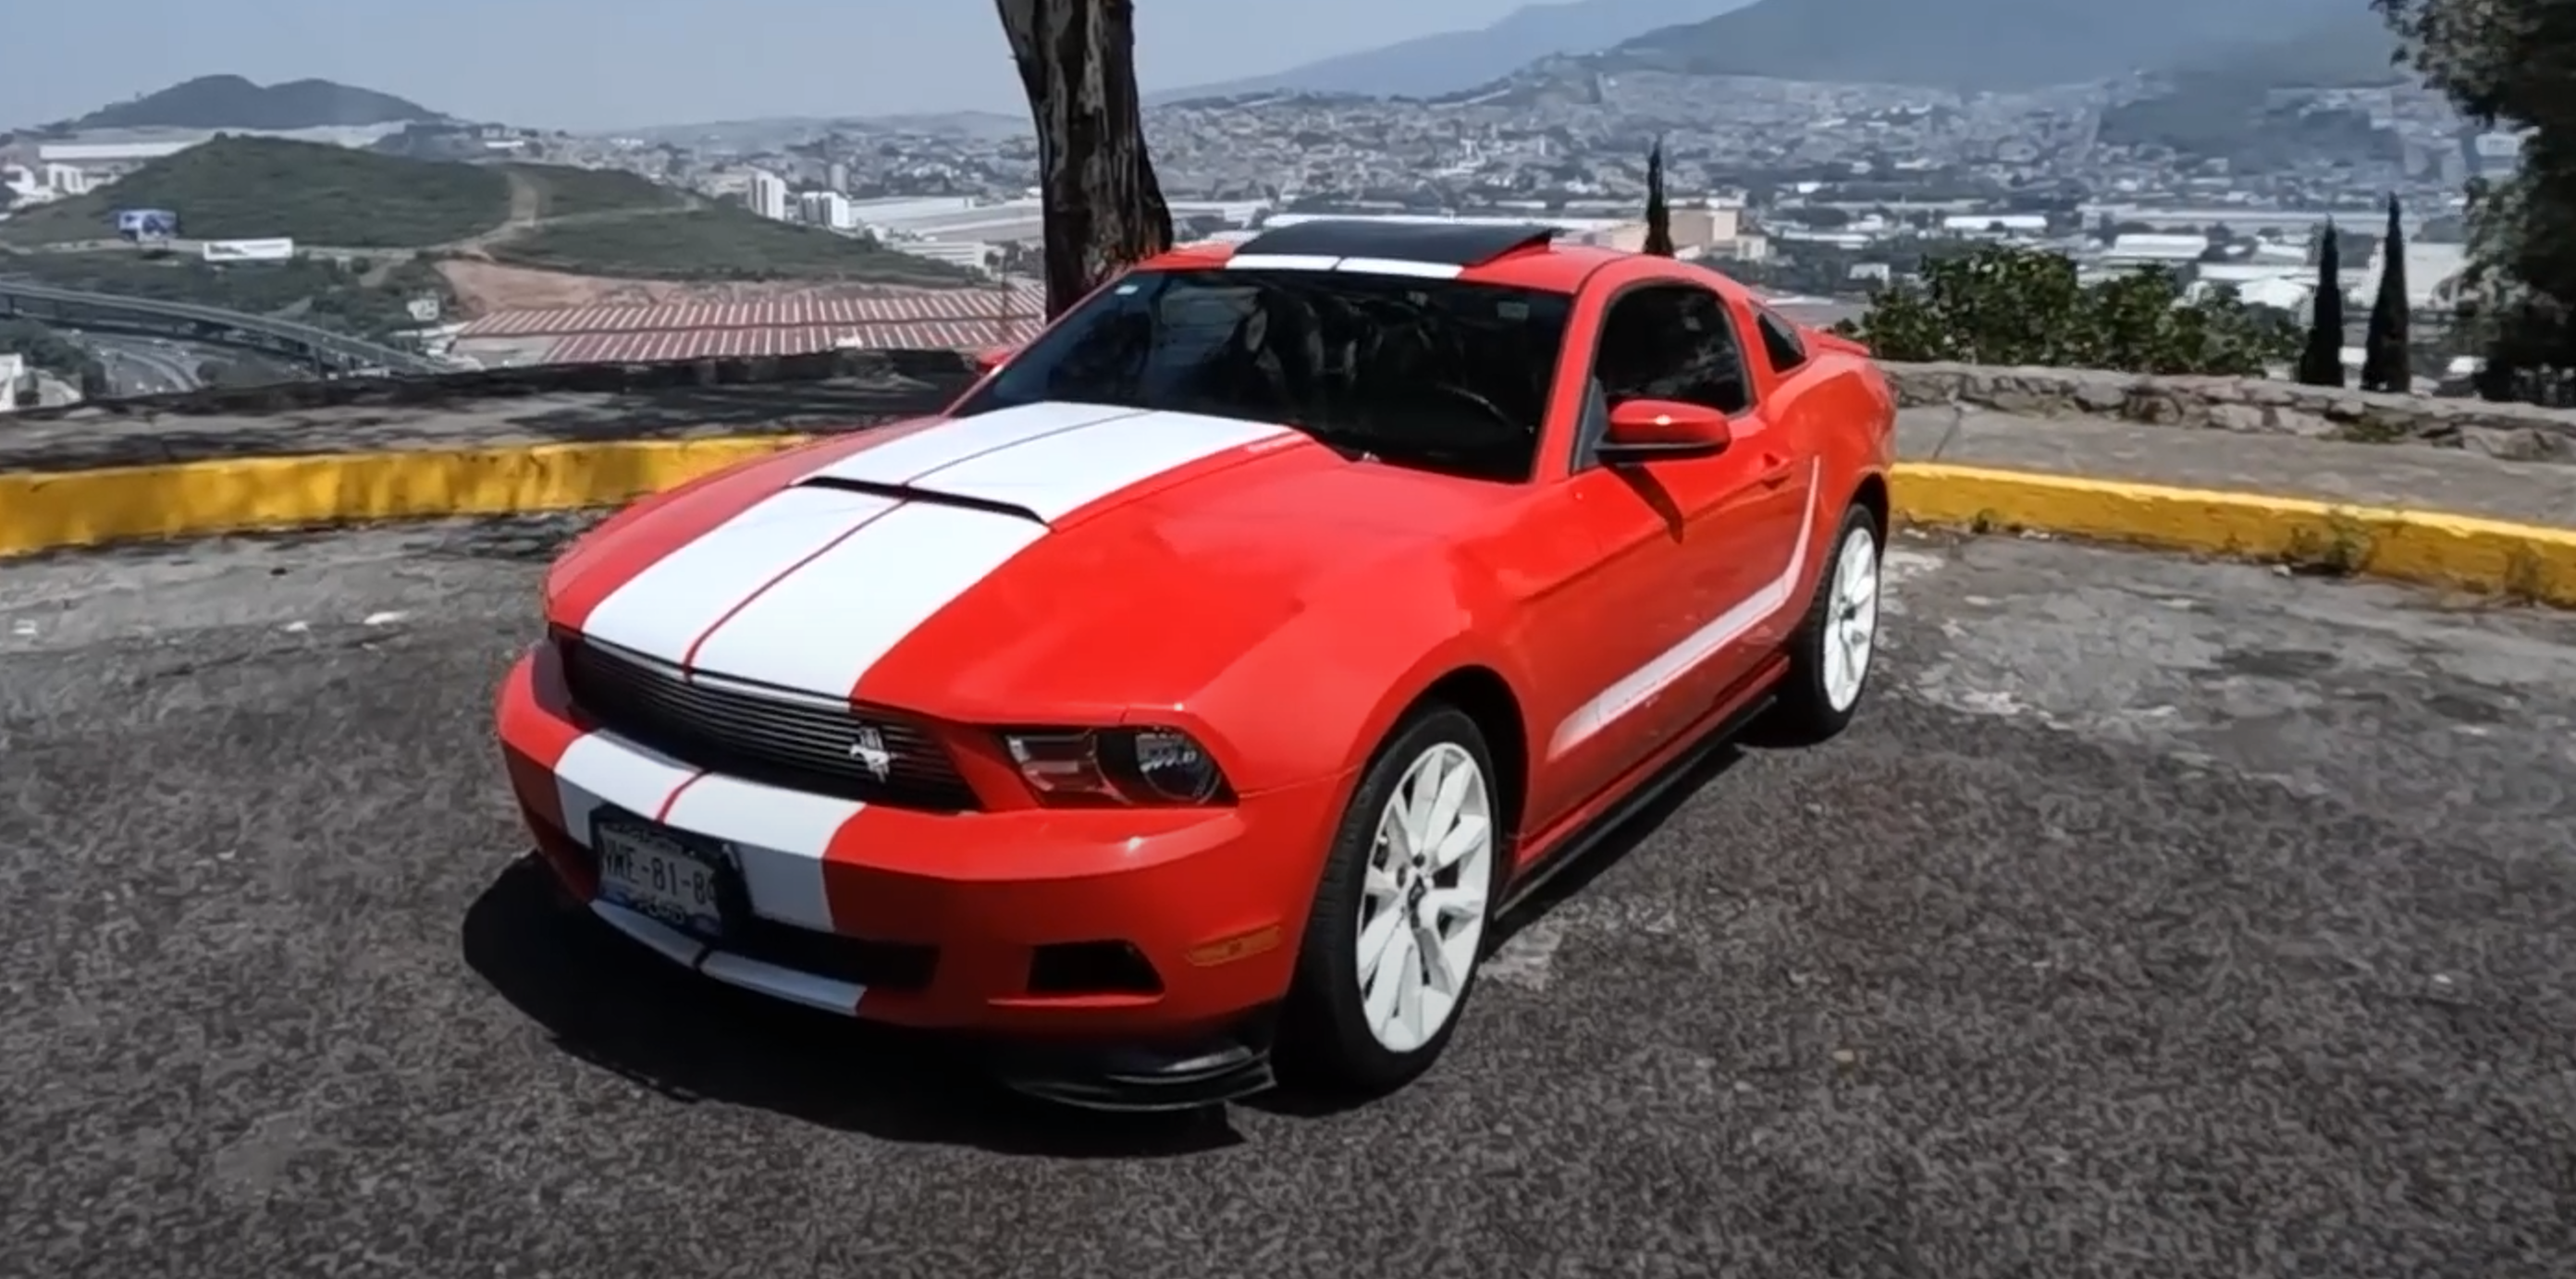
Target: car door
(1700, 546)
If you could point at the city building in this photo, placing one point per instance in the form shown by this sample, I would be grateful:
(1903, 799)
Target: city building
(766, 195)
(2146, 249)
(971, 254)
(2433, 274)
(960, 221)
(826, 209)
(38, 183)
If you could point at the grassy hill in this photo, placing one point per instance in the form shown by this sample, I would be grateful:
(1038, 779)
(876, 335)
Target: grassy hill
(231, 102)
(717, 242)
(248, 188)
(581, 221)
(562, 191)
(1968, 44)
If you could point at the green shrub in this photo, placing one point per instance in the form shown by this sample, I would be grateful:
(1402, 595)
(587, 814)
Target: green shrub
(2011, 306)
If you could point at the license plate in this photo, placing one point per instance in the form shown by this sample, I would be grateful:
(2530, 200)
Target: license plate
(661, 873)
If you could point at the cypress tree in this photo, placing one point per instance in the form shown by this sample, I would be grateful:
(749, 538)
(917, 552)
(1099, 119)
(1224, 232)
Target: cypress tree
(2321, 363)
(2384, 363)
(1659, 218)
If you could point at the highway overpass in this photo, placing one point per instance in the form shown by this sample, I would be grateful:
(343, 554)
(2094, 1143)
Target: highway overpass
(332, 352)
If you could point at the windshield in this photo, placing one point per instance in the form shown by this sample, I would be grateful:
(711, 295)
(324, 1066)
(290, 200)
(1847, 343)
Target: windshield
(1413, 372)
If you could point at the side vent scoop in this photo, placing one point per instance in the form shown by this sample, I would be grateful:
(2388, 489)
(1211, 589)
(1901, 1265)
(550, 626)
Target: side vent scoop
(907, 493)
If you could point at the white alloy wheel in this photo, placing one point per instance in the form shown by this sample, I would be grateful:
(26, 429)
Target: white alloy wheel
(1422, 904)
(1851, 620)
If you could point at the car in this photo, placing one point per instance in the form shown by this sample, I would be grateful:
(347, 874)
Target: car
(1176, 713)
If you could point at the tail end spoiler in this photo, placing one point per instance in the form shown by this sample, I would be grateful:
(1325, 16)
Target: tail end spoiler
(1828, 340)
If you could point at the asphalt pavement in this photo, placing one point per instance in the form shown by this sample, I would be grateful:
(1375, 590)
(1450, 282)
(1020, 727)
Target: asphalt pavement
(144, 366)
(2158, 919)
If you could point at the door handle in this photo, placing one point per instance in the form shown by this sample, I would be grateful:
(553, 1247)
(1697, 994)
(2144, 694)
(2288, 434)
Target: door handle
(1775, 470)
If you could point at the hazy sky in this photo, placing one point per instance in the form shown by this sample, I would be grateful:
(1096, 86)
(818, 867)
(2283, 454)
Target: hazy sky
(604, 63)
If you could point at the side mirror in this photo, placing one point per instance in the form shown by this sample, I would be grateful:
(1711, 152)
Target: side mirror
(1664, 430)
(992, 357)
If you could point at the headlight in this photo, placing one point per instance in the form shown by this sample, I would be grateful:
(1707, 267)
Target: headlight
(1116, 766)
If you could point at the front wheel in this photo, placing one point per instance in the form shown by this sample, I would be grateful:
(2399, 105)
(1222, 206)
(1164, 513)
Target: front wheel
(1835, 646)
(1400, 917)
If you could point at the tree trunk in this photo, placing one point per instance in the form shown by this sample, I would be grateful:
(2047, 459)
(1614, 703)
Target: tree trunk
(1103, 208)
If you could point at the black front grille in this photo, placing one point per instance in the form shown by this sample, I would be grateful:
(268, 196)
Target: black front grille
(771, 737)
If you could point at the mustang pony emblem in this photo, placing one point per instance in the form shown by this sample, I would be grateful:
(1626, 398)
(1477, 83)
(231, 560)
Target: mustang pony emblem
(869, 749)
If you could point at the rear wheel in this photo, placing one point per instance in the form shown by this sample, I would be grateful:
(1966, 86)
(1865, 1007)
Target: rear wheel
(1836, 645)
(1401, 915)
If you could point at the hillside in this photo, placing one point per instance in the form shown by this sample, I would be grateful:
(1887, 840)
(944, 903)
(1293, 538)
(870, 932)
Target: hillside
(717, 242)
(1456, 61)
(2221, 104)
(579, 221)
(2346, 51)
(231, 102)
(1994, 45)
(236, 187)
(357, 300)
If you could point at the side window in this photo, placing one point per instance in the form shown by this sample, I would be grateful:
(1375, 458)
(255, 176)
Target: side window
(1780, 343)
(1671, 342)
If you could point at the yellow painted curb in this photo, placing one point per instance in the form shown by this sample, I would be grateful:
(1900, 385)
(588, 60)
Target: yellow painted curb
(40, 511)
(2526, 561)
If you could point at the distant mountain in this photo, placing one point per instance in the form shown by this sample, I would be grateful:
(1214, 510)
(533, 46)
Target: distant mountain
(231, 102)
(1456, 61)
(1998, 45)
(2350, 50)
(2220, 103)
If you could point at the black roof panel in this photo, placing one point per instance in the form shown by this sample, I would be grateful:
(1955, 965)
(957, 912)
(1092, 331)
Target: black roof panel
(1445, 243)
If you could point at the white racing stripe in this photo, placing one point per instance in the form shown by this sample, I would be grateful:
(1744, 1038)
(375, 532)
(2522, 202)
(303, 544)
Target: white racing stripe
(1400, 266)
(1055, 475)
(779, 837)
(1360, 266)
(662, 610)
(820, 628)
(604, 769)
(1640, 686)
(1282, 262)
(826, 624)
(905, 458)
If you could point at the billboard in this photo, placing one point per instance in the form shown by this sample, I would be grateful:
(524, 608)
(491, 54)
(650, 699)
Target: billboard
(277, 250)
(147, 224)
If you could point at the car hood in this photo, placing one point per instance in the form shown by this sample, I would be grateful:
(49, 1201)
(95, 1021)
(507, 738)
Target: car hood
(1054, 559)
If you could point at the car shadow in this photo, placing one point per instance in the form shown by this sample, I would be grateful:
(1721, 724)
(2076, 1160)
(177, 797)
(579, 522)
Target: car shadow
(1612, 847)
(606, 1001)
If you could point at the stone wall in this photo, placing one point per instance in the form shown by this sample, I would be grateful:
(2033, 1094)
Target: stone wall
(2253, 405)
(908, 381)
(921, 381)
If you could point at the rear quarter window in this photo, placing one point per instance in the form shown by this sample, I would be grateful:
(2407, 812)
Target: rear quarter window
(1780, 344)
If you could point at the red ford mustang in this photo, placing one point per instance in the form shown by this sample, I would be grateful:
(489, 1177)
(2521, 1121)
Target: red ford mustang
(1207, 679)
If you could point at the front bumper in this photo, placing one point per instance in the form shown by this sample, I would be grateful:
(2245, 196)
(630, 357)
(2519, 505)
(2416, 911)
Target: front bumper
(1121, 958)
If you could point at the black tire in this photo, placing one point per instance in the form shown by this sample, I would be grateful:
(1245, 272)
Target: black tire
(1808, 711)
(1325, 1042)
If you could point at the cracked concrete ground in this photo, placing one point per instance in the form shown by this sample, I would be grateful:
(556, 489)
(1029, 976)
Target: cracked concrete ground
(2158, 919)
